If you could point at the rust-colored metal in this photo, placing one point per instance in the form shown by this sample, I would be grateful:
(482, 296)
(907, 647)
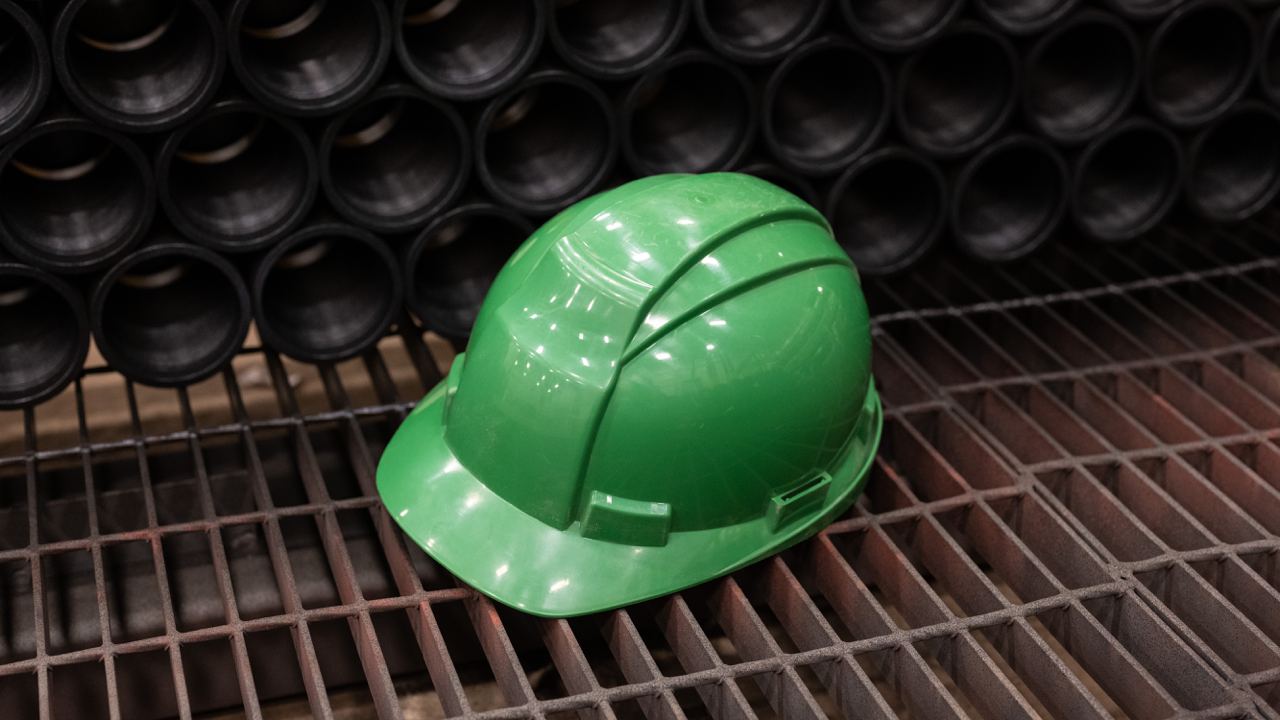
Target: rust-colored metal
(1075, 514)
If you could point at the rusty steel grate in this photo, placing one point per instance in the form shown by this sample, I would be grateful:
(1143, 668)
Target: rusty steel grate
(1075, 514)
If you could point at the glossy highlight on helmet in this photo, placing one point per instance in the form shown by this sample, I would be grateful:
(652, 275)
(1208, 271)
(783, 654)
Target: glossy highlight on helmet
(666, 382)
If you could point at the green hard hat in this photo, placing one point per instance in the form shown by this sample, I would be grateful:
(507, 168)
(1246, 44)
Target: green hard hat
(666, 382)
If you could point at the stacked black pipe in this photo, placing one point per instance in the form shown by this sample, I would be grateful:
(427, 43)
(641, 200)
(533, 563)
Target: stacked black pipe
(173, 171)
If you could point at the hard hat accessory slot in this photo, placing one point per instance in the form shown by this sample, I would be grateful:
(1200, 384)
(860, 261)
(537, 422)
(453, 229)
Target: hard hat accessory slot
(798, 502)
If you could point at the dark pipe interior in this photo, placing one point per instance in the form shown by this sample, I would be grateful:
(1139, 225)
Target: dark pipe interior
(1270, 70)
(140, 57)
(457, 266)
(616, 36)
(1236, 168)
(1023, 13)
(1200, 62)
(888, 212)
(548, 144)
(957, 90)
(328, 295)
(1127, 183)
(1081, 79)
(828, 105)
(1010, 201)
(758, 25)
(172, 317)
(898, 22)
(40, 337)
(72, 195)
(692, 118)
(19, 81)
(395, 157)
(461, 42)
(238, 174)
(308, 51)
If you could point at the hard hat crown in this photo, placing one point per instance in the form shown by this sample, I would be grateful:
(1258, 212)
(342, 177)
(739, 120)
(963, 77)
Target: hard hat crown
(682, 353)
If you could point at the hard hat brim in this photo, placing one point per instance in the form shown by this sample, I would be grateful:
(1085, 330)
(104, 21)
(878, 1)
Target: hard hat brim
(522, 562)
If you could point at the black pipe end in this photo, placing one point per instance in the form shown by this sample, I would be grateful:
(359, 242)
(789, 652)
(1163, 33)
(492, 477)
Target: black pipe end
(613, 40)
(888, 210)
(326, 293)
(546, 143)
(692, 112)
(1126, 181)
(139, 65)
(824, 105)
(450, 265)
(237, 178)
(1009, 198)
(957, 93)
(395, 160)
(1081, 77)
(1233, 166)
(76, 195)
(308, 57)
(44, 335)
(758, 31)
(25, 81)
(1199, 62)
(467, 50)
(170, 314)
(899, 25)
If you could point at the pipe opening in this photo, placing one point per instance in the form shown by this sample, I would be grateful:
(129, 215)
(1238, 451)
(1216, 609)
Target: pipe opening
(309, 51)
(760, 26)
(1235, 168)
(1080, 79)
(888, 211)
(141, 57)
(19, 73)
(828, 106)
(693, 117)
(957, 92)
(614, 37)
(396, 159)
(898, 23)
(41, 338)
(1199, 63)
(1127, 182)
(328, 296)
(549, 145)
(237, 176)
(1010, 200)
(172, 318)
(456, 266)
(73, 197)
(468, 42)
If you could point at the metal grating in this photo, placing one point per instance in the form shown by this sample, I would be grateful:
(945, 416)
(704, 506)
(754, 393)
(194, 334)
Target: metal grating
(1075, 514)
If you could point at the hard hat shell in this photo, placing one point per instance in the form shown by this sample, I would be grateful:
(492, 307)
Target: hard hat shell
(666, 382)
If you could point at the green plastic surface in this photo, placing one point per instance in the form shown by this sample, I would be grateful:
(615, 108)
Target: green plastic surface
(666, 382)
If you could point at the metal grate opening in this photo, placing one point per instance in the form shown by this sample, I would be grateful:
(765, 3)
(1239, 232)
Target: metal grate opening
(1075, 514)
